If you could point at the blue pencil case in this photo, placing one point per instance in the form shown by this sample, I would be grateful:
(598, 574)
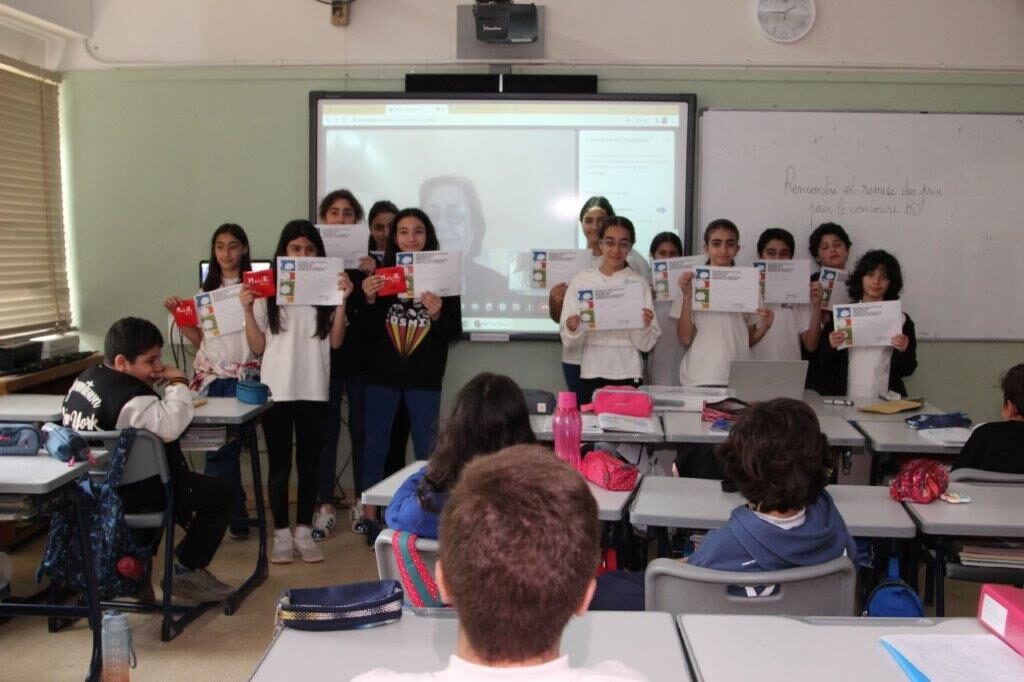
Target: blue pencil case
(20, 439)
(341, 607)
(948, 420)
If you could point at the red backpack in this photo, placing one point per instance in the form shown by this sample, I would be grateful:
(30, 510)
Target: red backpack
(919, 480)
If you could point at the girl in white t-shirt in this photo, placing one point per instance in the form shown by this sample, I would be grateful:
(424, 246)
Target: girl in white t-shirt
(796, 326)
(664, 359)
(221, 360)
(609, 357)
(295, 342)
(871, 371)
(714, 339)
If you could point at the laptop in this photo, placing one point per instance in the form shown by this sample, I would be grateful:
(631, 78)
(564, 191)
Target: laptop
(752, 380)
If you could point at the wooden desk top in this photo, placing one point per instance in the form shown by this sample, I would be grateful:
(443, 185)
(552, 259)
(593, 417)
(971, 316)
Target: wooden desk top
(19, 382)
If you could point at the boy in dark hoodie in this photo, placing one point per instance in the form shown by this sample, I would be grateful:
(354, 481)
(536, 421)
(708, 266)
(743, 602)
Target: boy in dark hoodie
(780, 462)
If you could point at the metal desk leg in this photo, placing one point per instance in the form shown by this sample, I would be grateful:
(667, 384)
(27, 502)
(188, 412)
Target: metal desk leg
(232, 603)
(940, 578)
(92, 596)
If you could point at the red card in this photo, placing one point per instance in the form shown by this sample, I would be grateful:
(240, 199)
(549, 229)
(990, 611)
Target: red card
(261, 281)
(185, 313)
(394, 280)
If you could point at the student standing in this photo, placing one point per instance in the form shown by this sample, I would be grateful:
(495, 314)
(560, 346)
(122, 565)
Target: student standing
(796, 327)
(380, 219)
(595, 210)
(407, 351)
(221, 360)
(609, 357)
(714, 339)
(871, 371)
(664, 359)
(829, 246)
(295, 342)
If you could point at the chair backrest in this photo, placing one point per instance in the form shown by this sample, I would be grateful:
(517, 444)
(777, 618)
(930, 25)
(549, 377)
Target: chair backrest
(982, 476)
(387, 567)
(827, 589)
(146, 458)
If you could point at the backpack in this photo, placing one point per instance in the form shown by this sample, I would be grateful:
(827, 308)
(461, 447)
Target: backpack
(893, 598)
(919, 480)
(109, 535)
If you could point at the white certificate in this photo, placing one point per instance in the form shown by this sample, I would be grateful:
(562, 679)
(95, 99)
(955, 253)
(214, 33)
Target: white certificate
(833, 287)
(869, 324)
(220, 311)
(615, 307)
(557, 266)
(665, 274)
(309, 281)
(730, 290)
(784, 281)
(347, 242)
(439, 272)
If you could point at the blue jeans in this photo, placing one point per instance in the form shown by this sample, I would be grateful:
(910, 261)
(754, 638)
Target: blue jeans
(225, 462)
(381, 405)
(355, 386)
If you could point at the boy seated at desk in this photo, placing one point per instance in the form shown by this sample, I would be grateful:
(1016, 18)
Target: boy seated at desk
(519, 545)
(119, 394)
(999, 446)
(780, 462)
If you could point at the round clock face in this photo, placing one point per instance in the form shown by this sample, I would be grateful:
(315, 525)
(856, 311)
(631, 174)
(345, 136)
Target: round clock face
(785, 21)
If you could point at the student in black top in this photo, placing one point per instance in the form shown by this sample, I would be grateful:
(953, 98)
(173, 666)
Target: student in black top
(999, 446)
(830, 248)
(119, 394)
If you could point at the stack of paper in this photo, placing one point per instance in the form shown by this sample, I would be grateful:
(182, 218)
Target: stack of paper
(999, 554)
(202, 438)
(955, 658)
(17, 507)
(954, 437)
(618, 422)
(590, 425)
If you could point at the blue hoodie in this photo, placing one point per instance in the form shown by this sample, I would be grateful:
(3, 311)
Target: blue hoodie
(406, 513)
(748, 543)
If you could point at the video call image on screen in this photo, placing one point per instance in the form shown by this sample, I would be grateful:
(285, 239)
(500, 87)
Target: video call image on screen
(501, 177)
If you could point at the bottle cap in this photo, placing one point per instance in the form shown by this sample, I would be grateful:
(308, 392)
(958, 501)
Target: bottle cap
(567, 399)
(114, 621)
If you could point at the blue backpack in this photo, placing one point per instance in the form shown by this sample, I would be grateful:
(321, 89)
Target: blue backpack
(109, 535)
(893, 598)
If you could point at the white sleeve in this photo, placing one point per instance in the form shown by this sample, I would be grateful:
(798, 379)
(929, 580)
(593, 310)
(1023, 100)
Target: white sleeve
(570, 307)
(644, 339)
(167, 418)
(677, 308)
(259, 312)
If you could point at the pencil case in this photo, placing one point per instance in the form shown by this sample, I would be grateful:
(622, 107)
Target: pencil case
(252, 392)
(20, 439)
(341, 607)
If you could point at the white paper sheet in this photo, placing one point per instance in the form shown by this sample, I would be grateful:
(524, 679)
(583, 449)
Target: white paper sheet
(220, 311)
(666, 272)
(557, 266)
(439, 272)
(615, 307)
(868, 324)
(731, 290)
(309, 281)
(959, 658)
(347, 242)
(833, 288)
(784, 281)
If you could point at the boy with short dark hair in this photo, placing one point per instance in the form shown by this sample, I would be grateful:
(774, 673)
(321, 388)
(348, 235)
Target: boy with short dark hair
(119, 394)
(519, 545)
(999, 446)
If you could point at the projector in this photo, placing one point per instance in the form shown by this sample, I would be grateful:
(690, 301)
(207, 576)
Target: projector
(505, 22)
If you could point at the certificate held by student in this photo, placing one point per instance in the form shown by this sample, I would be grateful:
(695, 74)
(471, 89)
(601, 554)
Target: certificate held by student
(347, 242)
(309, 281)
(869, 324)
(439, 272)
(613, 307)
(729, 290)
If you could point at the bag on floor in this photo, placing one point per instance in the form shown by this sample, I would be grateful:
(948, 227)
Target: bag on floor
(110, 538)
(893, 598)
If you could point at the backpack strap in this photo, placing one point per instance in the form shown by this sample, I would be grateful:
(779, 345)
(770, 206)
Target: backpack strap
(120, 457)
(420, 587)
(894, 568)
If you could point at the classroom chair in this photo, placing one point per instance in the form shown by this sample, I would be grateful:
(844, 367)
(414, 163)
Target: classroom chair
(387, 567)
(982, 476)
(827, 589)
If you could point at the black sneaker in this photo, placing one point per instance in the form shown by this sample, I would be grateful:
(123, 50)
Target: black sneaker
(239, 532)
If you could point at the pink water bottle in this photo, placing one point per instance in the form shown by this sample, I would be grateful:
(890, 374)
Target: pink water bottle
(567, 426)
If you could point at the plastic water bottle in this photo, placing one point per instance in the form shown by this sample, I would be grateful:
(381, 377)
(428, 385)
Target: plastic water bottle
(118, 655)
(567, 426)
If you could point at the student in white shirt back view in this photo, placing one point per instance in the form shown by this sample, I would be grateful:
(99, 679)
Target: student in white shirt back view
(519, 545)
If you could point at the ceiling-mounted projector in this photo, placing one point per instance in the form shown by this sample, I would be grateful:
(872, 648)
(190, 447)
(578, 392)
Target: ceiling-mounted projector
(505, 22)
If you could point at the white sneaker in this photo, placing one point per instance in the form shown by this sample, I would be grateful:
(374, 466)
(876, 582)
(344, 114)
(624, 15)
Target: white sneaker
(324, 522)
(306, 546)
(355, 517)
(284, 547)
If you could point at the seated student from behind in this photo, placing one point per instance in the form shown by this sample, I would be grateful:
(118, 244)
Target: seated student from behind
(520, 541)
(119, 394)
(780, 462)
(999, 446)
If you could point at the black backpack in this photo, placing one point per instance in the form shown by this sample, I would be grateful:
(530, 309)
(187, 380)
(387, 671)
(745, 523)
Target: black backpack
(110, 537)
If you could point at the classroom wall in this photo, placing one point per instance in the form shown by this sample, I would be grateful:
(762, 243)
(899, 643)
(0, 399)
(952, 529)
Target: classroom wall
(157, 158)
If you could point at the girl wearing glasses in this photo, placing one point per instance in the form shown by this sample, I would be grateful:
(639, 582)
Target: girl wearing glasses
(610, 357)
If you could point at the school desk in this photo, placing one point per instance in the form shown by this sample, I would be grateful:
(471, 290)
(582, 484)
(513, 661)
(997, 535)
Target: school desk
(851, 413)
(31, 407)
(790, 649)
(646, 642)
(687, 427)
(897, 437)
(541, 426)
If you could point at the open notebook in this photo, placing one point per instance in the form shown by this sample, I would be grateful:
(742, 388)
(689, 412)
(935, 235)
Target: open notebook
(955, 658)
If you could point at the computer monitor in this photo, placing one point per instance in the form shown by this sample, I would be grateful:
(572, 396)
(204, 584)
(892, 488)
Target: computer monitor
(204, 268)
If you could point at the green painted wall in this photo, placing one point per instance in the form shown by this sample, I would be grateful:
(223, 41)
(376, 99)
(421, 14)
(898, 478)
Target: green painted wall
(157, 159)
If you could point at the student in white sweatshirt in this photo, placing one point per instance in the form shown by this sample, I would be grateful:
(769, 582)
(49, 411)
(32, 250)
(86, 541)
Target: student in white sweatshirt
(609, 357)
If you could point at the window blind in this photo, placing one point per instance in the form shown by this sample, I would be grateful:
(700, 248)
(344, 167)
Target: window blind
(34, 296)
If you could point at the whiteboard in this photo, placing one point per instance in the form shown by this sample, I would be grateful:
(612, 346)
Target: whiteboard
(943, 192)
